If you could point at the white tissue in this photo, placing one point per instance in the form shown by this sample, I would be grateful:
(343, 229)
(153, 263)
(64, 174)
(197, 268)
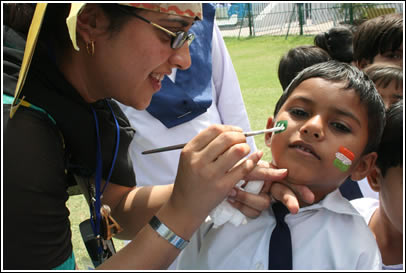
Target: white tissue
(224, 212)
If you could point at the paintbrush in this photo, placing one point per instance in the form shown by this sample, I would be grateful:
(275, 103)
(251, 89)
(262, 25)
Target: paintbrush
(278, 128)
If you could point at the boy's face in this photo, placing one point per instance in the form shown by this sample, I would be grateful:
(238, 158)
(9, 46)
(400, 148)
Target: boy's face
(391, 196)
(390, 94)
(391, 57)
(321, 118)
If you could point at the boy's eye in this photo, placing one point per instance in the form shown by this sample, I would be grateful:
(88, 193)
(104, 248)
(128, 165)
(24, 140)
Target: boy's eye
(392, 55)
(298, 112)
(341, 127)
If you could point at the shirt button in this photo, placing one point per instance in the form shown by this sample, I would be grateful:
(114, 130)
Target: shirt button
(259, 266)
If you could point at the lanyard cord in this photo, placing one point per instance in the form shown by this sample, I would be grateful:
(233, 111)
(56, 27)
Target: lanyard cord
(99, 164)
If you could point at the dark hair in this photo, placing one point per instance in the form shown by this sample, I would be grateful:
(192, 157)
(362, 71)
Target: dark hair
(297, 59)
(377, 36)
(355, 80)
(54, 32)
(337, 42)
(18, 16)
(383, 74)
(390, 152)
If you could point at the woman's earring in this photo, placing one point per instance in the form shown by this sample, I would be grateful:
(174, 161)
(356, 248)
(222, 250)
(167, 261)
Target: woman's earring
(90, 48)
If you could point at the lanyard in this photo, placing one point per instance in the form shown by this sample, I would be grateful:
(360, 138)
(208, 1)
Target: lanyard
(96, 216)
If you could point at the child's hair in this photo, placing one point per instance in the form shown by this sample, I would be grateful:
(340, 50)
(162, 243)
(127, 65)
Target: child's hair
(377, 36)
(383, 74)
(337, 42)
(297, 59)
(390, 152)
(356, 80)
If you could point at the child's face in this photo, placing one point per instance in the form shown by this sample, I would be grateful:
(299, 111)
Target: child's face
(391, 196)
(391, 57)
(390, 94)
(321, 118)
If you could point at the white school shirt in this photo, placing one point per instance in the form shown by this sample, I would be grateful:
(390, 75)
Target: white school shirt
(328, 235)
(227, 108)
(366, 189)
(366, 207)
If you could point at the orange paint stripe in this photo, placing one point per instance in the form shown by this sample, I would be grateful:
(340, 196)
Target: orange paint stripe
(347, 153)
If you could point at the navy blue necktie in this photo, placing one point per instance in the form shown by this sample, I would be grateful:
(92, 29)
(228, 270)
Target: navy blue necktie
(280, 245)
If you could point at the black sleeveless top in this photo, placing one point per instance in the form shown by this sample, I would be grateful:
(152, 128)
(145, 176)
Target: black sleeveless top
(42, 155)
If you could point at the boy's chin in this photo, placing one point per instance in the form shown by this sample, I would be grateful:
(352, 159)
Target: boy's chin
(296, 176)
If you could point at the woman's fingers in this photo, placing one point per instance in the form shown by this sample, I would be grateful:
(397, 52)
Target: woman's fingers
(291, 195)
(266, 172)
(286, 196)
(209, 167)
(206, 137)
(250, 204)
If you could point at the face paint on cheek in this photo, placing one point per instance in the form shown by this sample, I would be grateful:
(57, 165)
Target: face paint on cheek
(344, 158)
(283, 123)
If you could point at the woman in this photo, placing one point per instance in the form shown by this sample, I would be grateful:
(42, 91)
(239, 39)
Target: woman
(68, 129)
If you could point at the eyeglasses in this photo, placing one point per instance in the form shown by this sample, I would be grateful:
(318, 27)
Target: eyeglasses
(178, 39)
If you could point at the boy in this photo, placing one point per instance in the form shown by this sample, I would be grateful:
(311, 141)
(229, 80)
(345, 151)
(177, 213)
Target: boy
(388, 79)
(297, 59)
(328, 107)
(379, 40)
(385, 217)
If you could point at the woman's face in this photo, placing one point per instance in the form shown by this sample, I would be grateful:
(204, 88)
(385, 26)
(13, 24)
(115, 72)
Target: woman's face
(130, 65)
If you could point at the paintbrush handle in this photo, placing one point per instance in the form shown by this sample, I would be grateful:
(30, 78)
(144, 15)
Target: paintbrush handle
(271, 130)
(164, 149)
(180, 146)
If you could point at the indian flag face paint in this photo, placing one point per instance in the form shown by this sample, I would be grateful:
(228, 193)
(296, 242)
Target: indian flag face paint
(344, 158)
(279, 123)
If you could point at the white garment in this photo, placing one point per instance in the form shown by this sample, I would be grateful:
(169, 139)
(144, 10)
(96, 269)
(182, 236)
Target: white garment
(366, 189)
(224, 212)
(227, 108)
(366, 207)
(328, 235)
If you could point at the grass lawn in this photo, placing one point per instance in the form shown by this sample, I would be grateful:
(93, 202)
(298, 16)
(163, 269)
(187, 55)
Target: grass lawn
(256, 63)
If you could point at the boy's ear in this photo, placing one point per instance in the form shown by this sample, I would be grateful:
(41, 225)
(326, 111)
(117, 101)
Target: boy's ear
(268, 136)
(364, 166)
(374, 179)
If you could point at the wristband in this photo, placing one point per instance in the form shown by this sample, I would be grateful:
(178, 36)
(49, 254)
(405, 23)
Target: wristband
(167, 234)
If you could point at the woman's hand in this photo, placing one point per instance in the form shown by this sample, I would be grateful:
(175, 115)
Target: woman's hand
(209, 167)
(252, 205)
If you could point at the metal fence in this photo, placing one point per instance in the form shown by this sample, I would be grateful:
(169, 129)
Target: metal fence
(273, 18)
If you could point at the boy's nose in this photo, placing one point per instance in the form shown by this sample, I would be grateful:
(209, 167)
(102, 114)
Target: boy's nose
(181, 58)
(313, 128)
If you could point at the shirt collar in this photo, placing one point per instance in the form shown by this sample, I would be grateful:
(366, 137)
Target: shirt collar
(334, 202)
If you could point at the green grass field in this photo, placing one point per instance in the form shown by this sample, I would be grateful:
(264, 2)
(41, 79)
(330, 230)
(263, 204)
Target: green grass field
(256, 63)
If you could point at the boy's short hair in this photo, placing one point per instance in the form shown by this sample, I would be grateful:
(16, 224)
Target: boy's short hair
(383, 74)
(337, 41)
(356, 80)
(297, 59)
(377, 36)
(390, 152)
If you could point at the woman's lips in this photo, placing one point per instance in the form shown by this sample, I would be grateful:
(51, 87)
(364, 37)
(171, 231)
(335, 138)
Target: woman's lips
(156, 79)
